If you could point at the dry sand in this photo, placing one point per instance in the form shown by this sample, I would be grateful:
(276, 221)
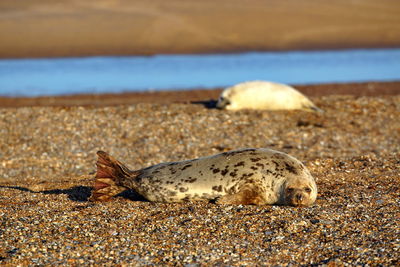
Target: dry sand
(50, 28)
(47, 161)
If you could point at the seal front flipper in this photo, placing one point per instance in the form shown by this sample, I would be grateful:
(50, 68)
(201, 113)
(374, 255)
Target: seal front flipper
(313, 108)
(249, 194)
(109, 178)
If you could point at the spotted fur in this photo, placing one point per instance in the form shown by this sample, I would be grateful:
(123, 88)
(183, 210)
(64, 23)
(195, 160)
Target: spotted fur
(246, 176)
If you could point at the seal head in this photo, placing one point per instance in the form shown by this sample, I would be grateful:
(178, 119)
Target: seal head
(299, 192)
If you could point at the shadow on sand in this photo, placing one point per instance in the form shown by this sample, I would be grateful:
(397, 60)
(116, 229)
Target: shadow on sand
(79, 193)
(209, 104)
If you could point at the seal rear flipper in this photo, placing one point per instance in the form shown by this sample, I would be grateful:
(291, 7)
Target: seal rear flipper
(109, 177)
(249, 194)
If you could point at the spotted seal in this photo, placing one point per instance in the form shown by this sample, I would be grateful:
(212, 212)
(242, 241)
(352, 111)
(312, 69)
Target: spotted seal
(245, 176)
(264, 95)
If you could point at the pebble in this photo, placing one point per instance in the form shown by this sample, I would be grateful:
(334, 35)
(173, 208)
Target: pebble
(48, 159)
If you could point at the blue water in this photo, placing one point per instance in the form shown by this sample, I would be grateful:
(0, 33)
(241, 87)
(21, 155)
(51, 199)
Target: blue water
(61, 76)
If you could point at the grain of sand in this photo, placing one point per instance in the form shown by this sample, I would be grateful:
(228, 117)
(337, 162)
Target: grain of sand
(47, 162)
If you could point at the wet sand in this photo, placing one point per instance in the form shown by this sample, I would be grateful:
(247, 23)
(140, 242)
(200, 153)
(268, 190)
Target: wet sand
(47, 163)
(49, 28)
(206, 97)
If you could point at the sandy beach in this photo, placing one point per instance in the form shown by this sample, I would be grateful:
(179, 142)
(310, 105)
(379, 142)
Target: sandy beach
(49, 28)
(47, 164)
(48, 144)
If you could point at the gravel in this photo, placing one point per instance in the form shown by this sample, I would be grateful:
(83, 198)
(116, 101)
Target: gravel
(47, 162)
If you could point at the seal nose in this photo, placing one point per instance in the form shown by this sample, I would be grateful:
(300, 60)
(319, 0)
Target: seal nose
(299, 197)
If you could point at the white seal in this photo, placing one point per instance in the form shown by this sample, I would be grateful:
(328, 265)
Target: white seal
(265, 96)
(246, 176)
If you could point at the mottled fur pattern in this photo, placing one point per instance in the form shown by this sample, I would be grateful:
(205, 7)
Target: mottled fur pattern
(245, 176)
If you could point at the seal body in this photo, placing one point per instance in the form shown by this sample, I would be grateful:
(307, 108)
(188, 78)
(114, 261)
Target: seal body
(264, 95)
(245, 176)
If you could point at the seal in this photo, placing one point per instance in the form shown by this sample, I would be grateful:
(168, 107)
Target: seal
(245, 176)
(264, 95)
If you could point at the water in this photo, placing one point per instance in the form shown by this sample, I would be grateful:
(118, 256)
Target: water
(61, 76)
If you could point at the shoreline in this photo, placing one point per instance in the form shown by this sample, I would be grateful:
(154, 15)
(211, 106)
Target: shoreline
(194, 51)
(199, 96)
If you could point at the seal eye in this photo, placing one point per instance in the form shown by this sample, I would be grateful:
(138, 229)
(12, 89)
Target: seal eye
(307, 189)
(289, 190)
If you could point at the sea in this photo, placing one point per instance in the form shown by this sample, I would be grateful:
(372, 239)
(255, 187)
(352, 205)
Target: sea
(116, 74)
